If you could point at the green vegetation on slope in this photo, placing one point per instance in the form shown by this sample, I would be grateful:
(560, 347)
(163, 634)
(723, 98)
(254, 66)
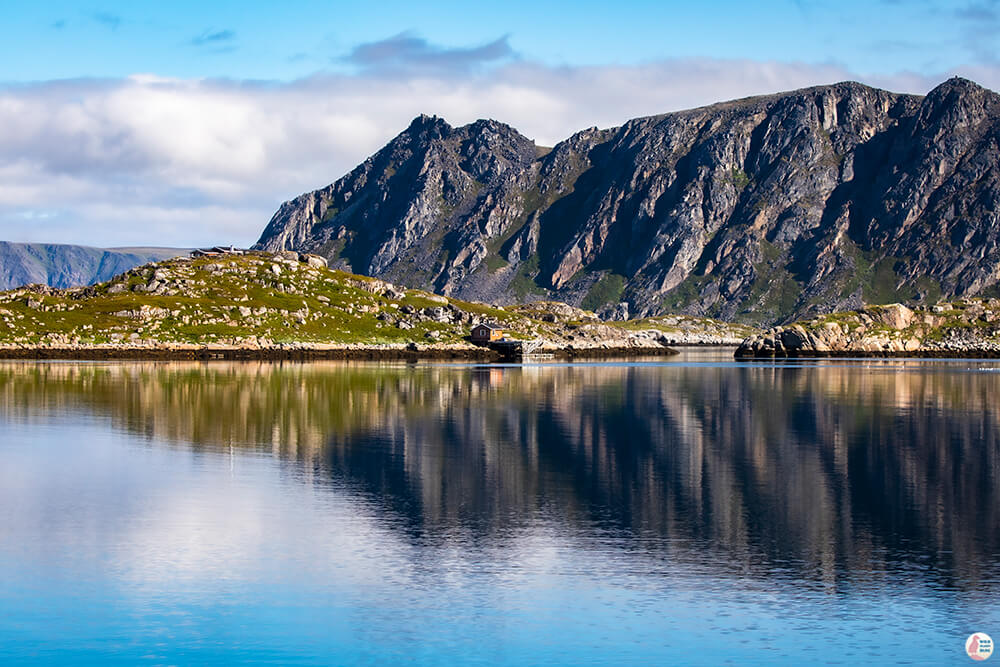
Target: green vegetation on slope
(687, 292)
(880, 281)
(261, 301)
(608, 289)
(774, 291)
(523, 283)
(235, 300)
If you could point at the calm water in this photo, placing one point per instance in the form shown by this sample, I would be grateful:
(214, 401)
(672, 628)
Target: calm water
(694, 511)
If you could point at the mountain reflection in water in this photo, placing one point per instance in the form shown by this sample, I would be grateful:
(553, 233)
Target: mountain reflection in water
(832, 473)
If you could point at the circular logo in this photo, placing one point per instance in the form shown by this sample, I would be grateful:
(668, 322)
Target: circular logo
(979, 646)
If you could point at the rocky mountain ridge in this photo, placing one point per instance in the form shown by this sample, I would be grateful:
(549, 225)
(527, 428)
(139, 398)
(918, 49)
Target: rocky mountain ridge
(762, 210)
(59, 265)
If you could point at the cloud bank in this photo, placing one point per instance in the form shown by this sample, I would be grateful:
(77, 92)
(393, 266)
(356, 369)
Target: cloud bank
(147, 160)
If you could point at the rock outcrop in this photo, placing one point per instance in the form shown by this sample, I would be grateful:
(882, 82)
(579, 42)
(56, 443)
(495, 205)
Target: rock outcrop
(760, 210)
(967, 327)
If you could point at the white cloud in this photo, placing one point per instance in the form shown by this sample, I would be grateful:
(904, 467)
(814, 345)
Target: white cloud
(150, 160)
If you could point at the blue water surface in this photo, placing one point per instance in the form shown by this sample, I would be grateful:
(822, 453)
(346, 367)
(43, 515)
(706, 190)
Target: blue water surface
(691, 512)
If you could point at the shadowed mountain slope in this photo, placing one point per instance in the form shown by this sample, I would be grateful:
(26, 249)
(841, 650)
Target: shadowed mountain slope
(58, 265)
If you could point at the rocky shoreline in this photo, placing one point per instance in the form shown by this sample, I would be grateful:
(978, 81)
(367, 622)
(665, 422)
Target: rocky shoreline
(964, 328)
(309, 352)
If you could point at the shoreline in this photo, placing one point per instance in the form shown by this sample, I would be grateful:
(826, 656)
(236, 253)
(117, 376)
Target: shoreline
(742, 355)
(299, 352)
(416, 352)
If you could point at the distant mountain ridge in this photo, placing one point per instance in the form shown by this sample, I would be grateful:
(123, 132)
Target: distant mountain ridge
(58, 265)
(760, 210)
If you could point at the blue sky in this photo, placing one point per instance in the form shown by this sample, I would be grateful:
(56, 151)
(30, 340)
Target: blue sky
(272, 40)
(187, 123)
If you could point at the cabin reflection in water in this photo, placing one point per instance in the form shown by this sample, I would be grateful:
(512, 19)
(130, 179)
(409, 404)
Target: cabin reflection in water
(489, 376)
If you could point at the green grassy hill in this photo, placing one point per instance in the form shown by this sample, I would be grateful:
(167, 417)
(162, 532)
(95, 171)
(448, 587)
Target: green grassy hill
(261, 300)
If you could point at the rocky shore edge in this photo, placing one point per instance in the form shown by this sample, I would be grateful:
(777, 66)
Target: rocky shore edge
(310, 352)
(964, 328)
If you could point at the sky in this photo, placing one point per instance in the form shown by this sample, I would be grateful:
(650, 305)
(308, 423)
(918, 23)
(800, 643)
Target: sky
(188, 123)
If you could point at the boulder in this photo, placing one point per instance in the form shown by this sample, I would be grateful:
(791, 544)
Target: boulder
(314, 261)
(895, 316)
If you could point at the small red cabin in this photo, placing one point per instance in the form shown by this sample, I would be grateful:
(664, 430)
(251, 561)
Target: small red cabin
(486, 333)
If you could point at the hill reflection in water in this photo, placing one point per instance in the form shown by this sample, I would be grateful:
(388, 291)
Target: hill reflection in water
(831, 472)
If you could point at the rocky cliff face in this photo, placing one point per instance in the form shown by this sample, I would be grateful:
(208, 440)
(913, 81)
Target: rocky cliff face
(761, 210)
(70, 265)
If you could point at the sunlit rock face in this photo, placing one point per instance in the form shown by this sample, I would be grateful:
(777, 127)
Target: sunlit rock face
(968, 328)
(762, 210)
(839, 471)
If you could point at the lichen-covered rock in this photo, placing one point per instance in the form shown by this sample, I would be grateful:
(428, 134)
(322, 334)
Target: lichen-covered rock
(895, 316)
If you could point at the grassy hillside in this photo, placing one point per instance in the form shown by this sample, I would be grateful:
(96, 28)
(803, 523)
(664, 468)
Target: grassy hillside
(235, 300)
(262, 300)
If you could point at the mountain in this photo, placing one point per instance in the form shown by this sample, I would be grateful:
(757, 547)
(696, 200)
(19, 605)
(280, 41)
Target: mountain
(759, 210)
(70, 265)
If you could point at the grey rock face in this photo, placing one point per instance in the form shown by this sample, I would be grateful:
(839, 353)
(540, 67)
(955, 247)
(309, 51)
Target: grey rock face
(70, 265)
(760, 210)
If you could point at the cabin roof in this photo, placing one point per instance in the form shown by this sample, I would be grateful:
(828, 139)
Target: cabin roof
(489, 325)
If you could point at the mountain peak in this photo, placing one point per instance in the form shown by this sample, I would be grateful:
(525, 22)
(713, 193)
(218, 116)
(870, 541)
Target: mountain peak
(958, 90)
(433, 126)
(425, 120)
(489, 124)
(957, 83)
(956, 104)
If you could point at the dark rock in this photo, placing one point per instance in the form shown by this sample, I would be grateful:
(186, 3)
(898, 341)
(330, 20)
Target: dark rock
(617, 311)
